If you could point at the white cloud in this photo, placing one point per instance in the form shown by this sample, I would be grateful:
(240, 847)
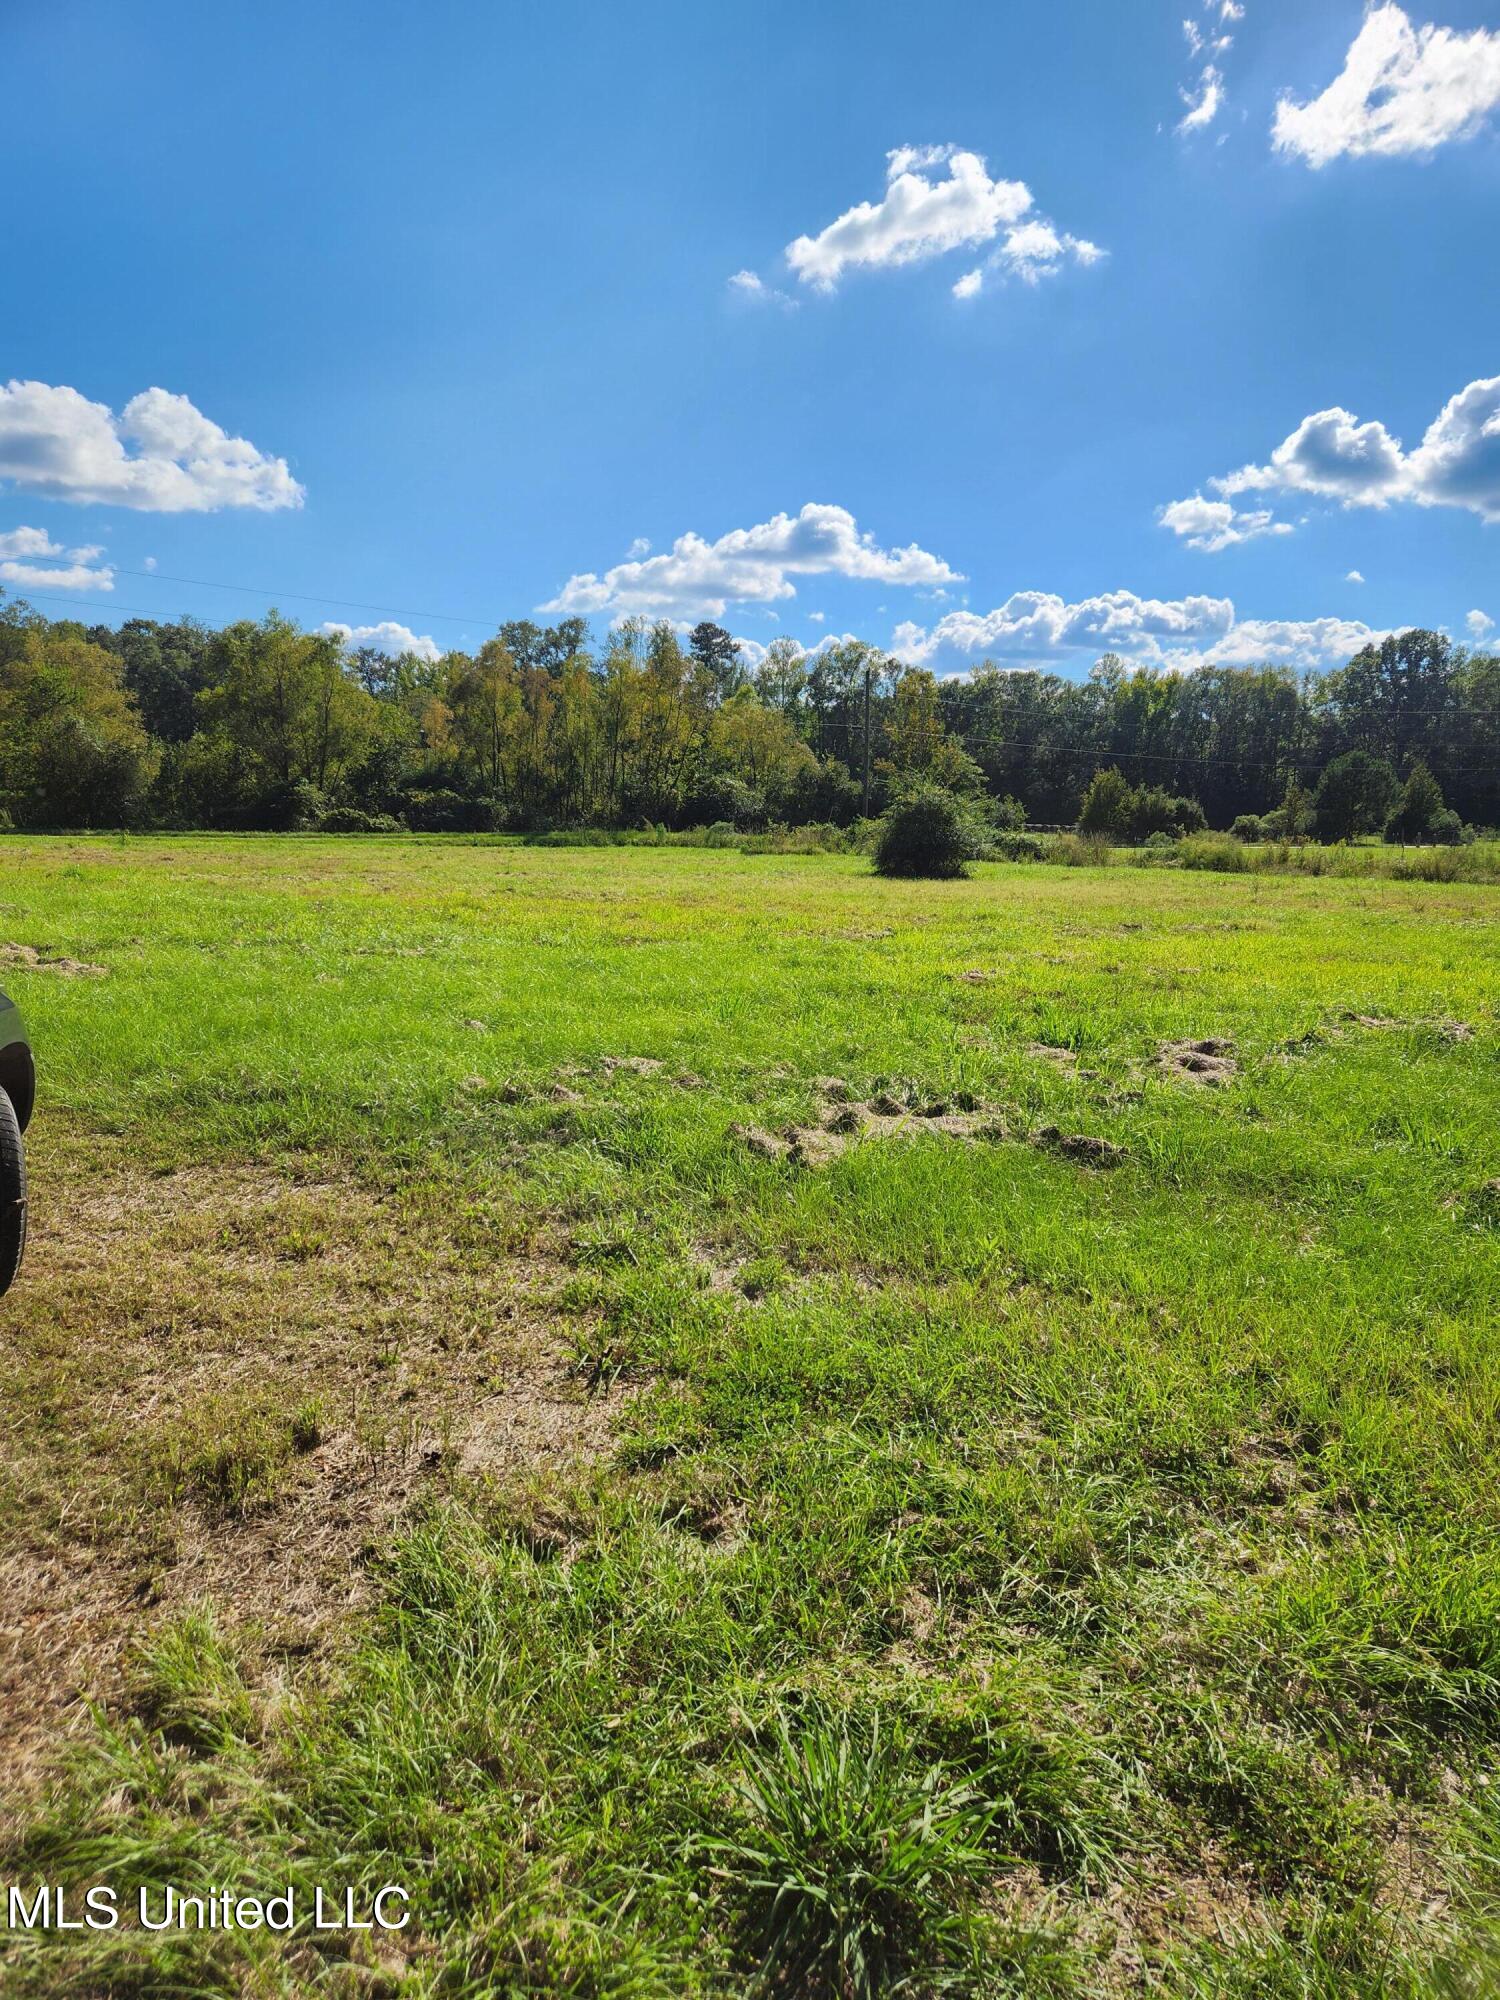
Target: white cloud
(160, 453)
(1354, 577)
(970, 284)
(388, 638)
(1035, 250)
(921, 216)
(1480, 625)
(23, 551)
(817, 617)
(1202, 107)
(1334, 456)
(1216, 524)
(750, 286)
(27, 542)
(747, 566)
(641, 546)
(1036, 625)
(150, 563)
(1402, 90)
(1208, 42)
(77, 576)
(1035, 628)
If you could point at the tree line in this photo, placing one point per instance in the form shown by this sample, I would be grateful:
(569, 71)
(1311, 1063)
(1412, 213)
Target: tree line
(260, 724)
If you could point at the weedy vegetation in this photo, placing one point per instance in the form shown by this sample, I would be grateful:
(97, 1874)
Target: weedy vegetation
(743, 1426)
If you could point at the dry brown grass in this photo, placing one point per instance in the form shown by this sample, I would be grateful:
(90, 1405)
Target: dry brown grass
(228, 1382)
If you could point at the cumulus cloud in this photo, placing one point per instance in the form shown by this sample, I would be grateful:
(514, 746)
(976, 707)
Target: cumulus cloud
(23, 551)
(699, 578)
(1036, 628)
(969, 285)
(1480, 625)
(1333, 456)
(753, 289)
(1035, 250)
(160, 454)
(1217, 524)
(27, 542)
(389, 638)
(1402, 90)
(1354, 577)
(76, 576)
(923, 214)
(1037, 625)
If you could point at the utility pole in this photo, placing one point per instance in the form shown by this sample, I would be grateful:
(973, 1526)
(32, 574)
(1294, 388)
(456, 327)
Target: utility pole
(865, 809)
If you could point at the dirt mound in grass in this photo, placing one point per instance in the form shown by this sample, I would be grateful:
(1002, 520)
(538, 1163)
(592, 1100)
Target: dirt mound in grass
(40, 961)
(1208, 1062)
(846, 1122)
(229, 1382)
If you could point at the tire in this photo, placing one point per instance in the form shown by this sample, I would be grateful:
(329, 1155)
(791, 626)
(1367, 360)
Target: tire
(12, 1194)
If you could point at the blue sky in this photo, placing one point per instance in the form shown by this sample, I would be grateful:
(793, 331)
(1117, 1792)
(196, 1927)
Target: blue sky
(462, 279)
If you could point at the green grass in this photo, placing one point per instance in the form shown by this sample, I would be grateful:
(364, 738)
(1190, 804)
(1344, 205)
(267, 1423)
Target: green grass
(1137, 1528)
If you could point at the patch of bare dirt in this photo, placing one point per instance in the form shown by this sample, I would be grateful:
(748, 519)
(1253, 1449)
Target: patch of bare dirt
(40, 961)
(1064, 1059)
(344, 1348)
(845, 1122)
(1209, 1063)
(1450, 1031)
(1083, 1147)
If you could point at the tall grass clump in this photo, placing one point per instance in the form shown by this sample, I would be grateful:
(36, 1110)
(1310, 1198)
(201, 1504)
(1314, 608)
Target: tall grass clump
(859, 1874)
(1084, 850)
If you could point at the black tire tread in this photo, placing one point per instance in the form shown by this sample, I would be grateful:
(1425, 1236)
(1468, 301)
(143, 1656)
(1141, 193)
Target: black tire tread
(12, 1195)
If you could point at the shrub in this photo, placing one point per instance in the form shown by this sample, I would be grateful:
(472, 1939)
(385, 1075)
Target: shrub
(1447, 829)
(349, 819)
(1153, 811)
(1019, 847)
(1084, 850)
(448, 812)
(718, 797)
(1008, 815)
(298, 807)
(928, 832)
(859, 1875)
(1250, 828)
(1220, 852)
(1161, 843)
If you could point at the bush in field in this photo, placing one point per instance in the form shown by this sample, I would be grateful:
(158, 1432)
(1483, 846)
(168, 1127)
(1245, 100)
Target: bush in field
(859, 1874)
(928, 831)
(1250, 828)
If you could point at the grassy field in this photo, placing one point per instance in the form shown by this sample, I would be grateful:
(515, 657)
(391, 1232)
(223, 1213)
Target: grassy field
(734, 1425)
